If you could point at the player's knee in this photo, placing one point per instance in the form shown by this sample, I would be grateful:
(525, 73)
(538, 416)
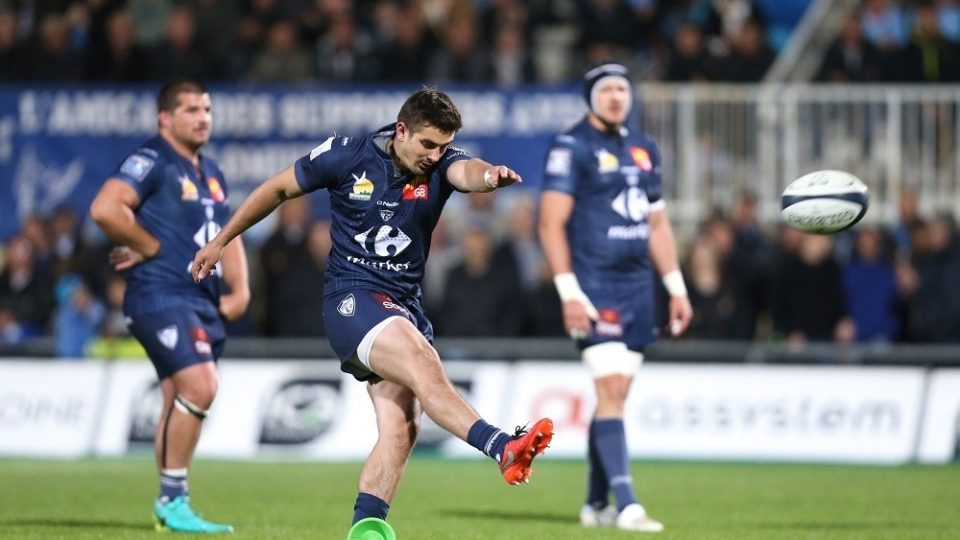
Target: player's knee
(190, 408)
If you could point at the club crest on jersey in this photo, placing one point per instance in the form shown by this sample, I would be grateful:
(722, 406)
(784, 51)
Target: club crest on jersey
(168, 337)
(386, 214)
(188, 190)
(216, 190)
(201, 342)
(606, 162)
(413, 192)
(362, 187)
(347, 306)
(609, 323)
(641, 158)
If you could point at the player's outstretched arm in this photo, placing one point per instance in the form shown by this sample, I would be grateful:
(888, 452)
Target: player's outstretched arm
(258, 205)
(477, 175)
(113, 210)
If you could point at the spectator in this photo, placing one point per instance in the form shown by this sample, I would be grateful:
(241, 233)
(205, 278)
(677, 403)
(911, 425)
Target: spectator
(930, 57)
(870, 289)
(181, 54)
(53, 58)
(688, 58)
(461, 58)
(884, 25)
(283, 59)
(25, 289)
(751, 56)
(345, 54)
(851, 58)
(278, 255)
(77, 318)
(934, 309)
(121, 59)
(10, 50)
(401, 56)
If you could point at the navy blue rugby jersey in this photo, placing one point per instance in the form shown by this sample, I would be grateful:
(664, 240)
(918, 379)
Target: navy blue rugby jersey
(183, 210)
(615, 181)
(382, 218)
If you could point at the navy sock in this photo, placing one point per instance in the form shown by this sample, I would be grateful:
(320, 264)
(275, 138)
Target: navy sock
(598, 489)
(368, 505)
(488, 439)
(611, 443)
(173, 483)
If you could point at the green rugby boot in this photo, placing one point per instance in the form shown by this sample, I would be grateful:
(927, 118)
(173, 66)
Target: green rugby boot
(178, 516)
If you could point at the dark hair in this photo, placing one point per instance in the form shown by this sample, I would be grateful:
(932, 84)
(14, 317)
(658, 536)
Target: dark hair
(169, 96)
(430, 107)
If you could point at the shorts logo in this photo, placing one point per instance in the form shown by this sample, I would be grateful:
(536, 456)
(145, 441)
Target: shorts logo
(609, 323)
(388, 303)
(413, 192)
(347, 306)
(168, 337)
(362, 187)
(201, 342)
(137, 167)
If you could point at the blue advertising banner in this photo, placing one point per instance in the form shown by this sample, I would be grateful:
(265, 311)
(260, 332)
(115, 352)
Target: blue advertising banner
(58, 144)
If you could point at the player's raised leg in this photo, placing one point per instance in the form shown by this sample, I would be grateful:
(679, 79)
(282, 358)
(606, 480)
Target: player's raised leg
(401, 354)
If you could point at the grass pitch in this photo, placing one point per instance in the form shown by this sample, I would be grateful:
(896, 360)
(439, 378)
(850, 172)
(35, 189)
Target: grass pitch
(467, 500)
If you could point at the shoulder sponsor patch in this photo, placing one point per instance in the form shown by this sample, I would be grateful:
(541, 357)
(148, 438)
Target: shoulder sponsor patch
(558, 161)
(137, 167)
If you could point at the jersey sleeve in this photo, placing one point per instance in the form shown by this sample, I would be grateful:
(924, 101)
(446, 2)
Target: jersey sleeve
(140, 170)
(655, 184)
(560, 171)
(451, 156)
(322, 167)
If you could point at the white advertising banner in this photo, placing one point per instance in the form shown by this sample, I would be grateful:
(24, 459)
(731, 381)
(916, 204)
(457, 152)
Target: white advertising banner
(940, 438)
(303, 409)
(48, 409)
(808, 413)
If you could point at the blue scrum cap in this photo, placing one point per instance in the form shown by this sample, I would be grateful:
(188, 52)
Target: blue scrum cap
(593, 77)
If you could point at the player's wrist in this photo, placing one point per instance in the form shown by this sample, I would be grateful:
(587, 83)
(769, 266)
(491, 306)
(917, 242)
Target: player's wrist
(673, 282)
(568, 287)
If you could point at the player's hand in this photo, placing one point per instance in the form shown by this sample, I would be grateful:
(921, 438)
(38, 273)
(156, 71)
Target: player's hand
(123, 258)
(681, 313)
(205, 261)
(577, 317)
(234, 305)
(501, 176)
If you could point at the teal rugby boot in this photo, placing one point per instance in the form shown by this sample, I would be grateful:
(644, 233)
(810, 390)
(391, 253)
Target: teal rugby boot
(178, 516)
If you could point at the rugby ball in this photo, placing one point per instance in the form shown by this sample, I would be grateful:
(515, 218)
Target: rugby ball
(825, 202)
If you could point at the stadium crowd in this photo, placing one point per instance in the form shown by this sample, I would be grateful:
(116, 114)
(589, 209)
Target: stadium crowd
(507, 42)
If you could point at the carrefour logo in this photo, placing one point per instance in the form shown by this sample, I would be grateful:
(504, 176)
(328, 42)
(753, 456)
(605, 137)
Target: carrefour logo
(387, 242)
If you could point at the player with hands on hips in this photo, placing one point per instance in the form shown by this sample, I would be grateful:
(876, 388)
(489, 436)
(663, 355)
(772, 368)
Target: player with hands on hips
(604, 229)
(387, 190)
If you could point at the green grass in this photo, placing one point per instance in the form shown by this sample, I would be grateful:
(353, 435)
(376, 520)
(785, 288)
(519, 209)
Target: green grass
(466, 500)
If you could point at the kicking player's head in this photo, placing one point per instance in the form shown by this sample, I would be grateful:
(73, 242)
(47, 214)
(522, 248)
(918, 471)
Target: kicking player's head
(426, 125)
(608, 92)
(183, 113)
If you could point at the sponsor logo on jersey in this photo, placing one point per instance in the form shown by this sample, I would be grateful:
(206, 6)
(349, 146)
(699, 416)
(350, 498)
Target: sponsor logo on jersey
(168, 337)
(347, 306)
(137, 167)
(641, 158)
(558, 161)
(606, 162)
(362, 187)
(216, 190)
(609, 323)
(412, 192)
(386, 215)
(387, 242)
(188, 190)
(201, 342)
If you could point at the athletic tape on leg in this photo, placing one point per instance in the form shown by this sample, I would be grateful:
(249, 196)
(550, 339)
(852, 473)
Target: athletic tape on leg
(184, 406)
